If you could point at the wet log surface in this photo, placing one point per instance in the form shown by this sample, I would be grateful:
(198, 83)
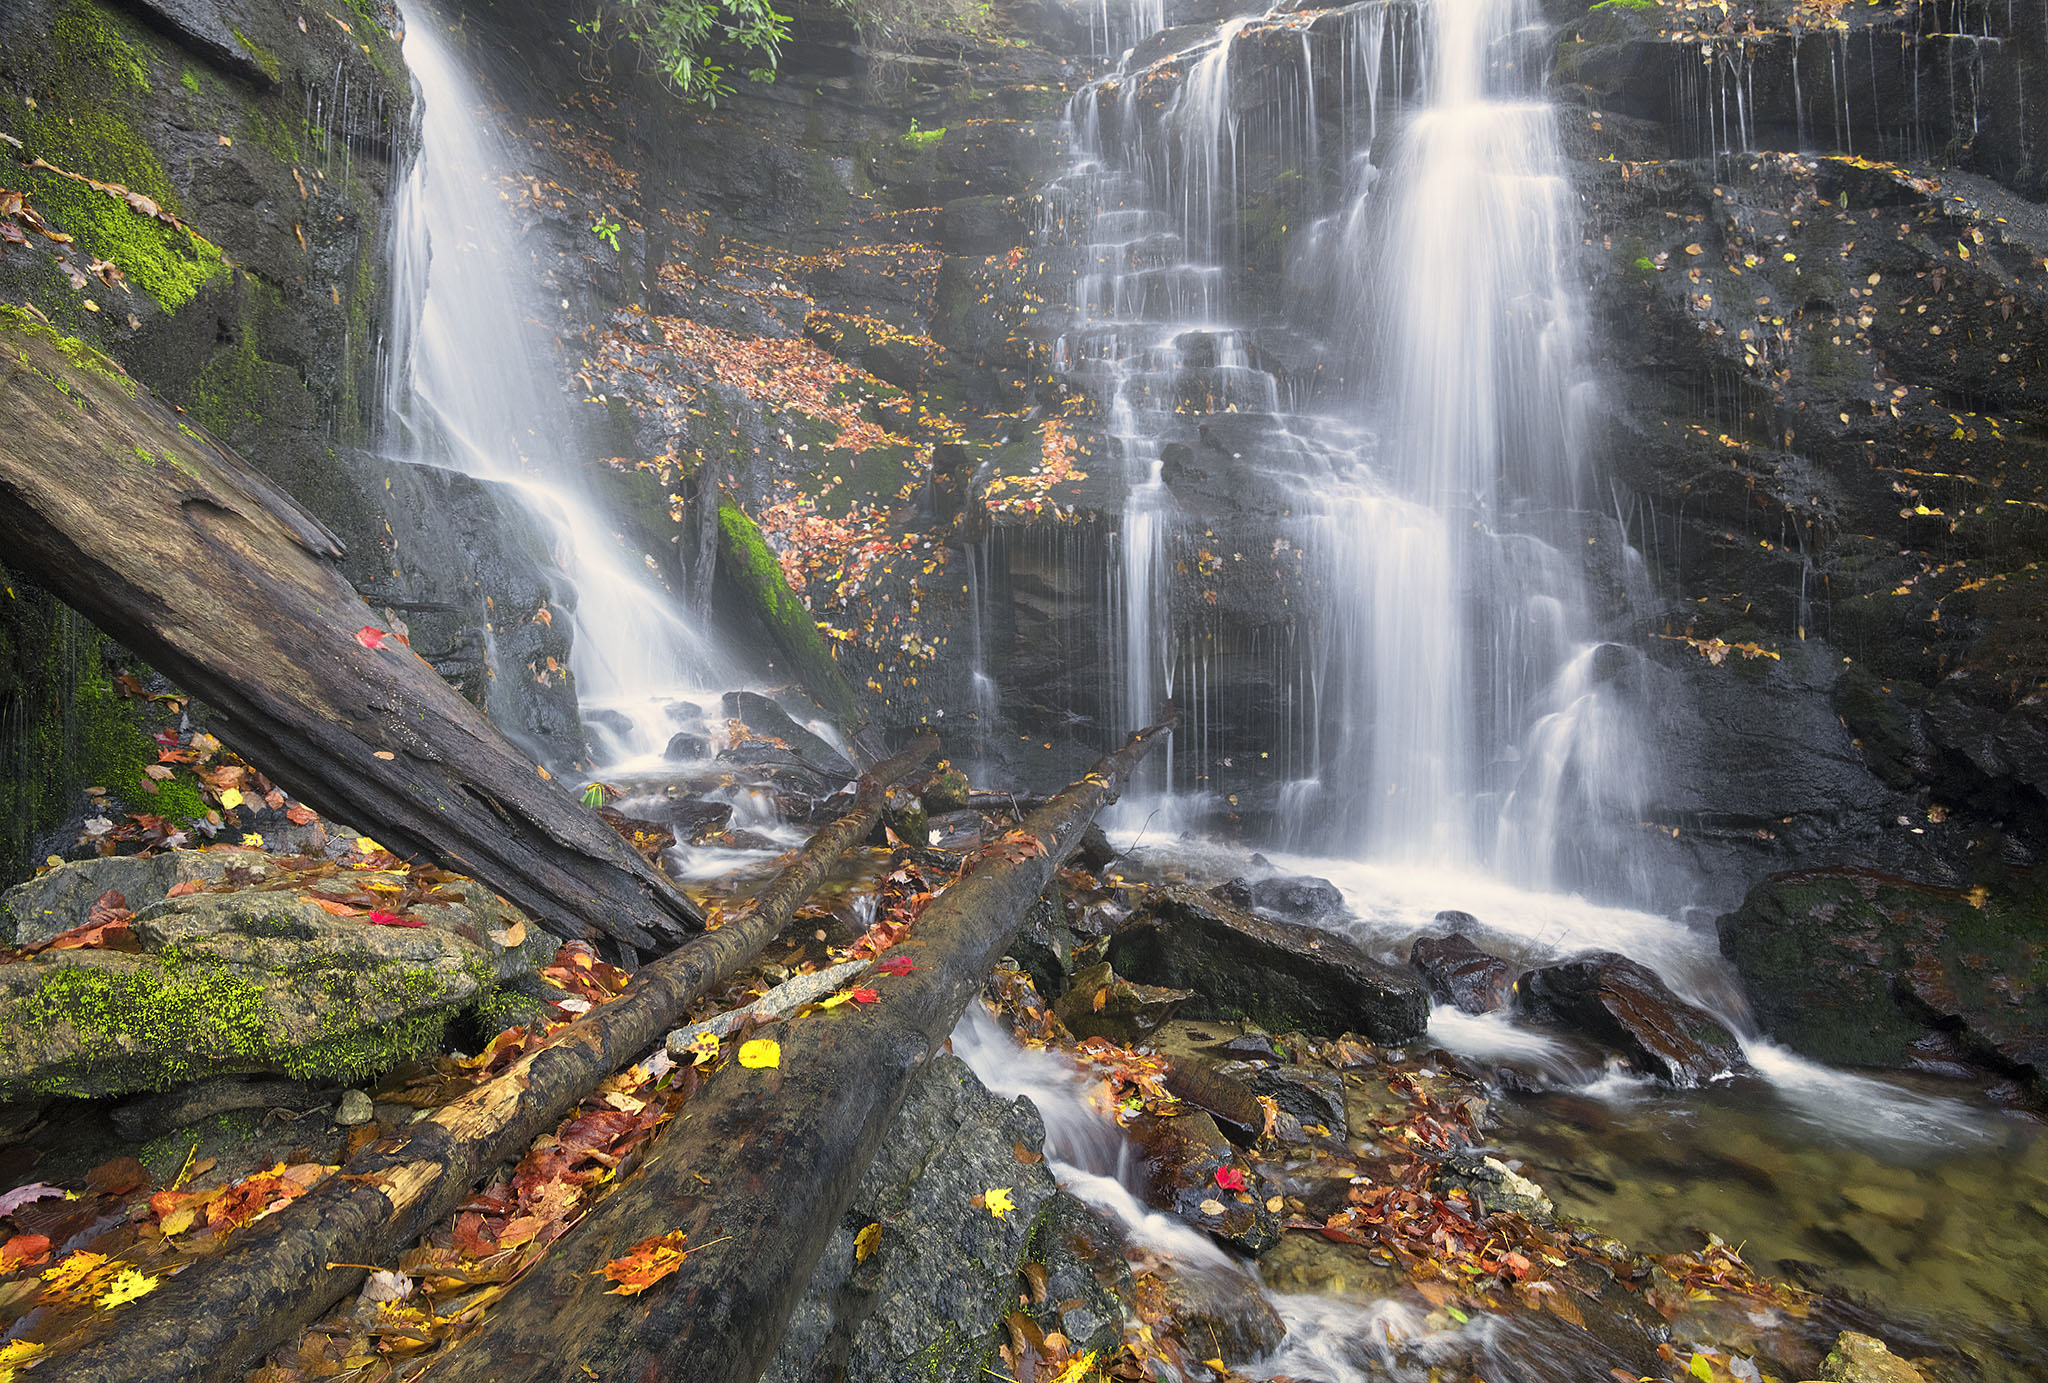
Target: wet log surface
(215, 1320)
(167, 541)
(763, 1162)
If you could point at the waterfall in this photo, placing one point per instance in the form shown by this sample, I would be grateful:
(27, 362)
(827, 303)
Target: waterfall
(1463, 706)
(469, 388)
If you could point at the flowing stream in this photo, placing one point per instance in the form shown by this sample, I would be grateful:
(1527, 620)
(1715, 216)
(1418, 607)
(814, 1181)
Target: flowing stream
(469, 388)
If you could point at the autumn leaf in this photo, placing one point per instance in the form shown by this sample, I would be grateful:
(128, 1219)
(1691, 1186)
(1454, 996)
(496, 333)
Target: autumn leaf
(646, 1263)
(896, 965)
(73, 1270)
(329, 905)
(23, 1250)
(761, 1053)
(511, 935)
(1076, 1369)
(703, 1048)
(300, 815)
(392, 919)
(996, 1200)
(230, 799)
(863, 995)
(1230, 1179)
(185, 889)
(128, 1284)
(866, 1242)
(369, 636)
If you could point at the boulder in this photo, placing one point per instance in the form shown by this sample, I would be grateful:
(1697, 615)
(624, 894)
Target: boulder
(928, 1301)
(764, 717)
(1297, 895)
(58, 899)
(1100, 1004)
(1087, 1279)
(258, 979)
(1494, 1184)
(1458, 972)
(1310, 1096)
(1283, 976)
(1621, 1004)
(683, 746)
(1859, 968)
(1218, 1313)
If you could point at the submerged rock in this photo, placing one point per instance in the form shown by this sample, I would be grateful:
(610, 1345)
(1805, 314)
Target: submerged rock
(1458, 972)
(1616, 1001)
(258, 979)
(1860, 1358)
(1497, 1185)
(1101, 1004)
(1182, 1157)
(1280, 975)
(1861, 969)
(1087, 1279)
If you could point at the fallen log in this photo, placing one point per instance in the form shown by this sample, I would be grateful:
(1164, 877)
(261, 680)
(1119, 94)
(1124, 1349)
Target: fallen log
(169, 542)
(763, 1163)
(217, 1318)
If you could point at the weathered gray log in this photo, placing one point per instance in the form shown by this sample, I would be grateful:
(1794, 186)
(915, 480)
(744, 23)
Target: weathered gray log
(764, 1161)
(173, 545)
(215, 1319)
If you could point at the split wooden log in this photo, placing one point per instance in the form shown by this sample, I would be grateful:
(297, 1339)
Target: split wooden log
(764, 1163)
(214, 1320)
(173, 545)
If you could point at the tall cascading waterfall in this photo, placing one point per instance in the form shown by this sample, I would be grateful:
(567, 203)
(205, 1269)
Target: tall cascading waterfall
(1457, 706)
(468, 386)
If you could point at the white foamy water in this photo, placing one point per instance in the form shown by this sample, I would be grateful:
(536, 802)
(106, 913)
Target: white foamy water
(468, 388)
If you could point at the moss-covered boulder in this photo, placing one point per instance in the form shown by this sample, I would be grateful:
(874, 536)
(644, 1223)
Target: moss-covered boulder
(1864, 969)
(251, 974)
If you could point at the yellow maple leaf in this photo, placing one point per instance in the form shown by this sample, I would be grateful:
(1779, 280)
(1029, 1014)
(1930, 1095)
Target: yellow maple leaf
(760, 1053)
(127, 1285)
(997, 1199)
(1072, 1372)
(230, 799)
(866, 1242)
(73, 1270)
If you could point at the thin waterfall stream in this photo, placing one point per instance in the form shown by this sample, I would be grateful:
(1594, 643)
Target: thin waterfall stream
(469, 387)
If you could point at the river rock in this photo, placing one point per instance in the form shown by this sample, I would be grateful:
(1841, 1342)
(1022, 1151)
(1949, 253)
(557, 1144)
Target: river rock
(1615, 1001)
(257, 980)
(1101, 1004)
(1087, 1279)
(58, 899)
(1857, 968)
(683, 746)
(1283, 976)
(764, 717)
(1496, 1185)
(1181, 1157)
(1858, 1358)
(1298, 895)
(1311, 1096)
(1219, 1313)
(1458, 972)
(928, 1302)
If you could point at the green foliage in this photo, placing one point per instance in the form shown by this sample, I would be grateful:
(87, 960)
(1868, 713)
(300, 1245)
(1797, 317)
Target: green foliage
(919, 138)
(694, 45)
(1637, 6)
(607, 230)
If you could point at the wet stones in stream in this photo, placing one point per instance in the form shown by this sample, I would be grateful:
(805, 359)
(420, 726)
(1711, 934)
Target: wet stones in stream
(1623, 1005)
(1284, 976)
(1183, 1158)
(1101, 1004)
(1458, 972)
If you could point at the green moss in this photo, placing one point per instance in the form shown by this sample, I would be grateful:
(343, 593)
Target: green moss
(189, 80)
(263, 57)
(1636, 6)
(144, 1019)
(15, 321)
(918, 139)
(228, 396)
(745, 559)
(87, 39)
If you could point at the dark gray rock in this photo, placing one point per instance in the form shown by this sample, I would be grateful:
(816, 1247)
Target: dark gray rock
(1298, 896)
(1280, 975)
(1310, 1095)
(205, 28)
(764, 717)
(1099, 1003)
(1458, 972)
(684, 746)
(944, 1274)
(1087, 1279)
(1180, 1158)
(1624, 1005)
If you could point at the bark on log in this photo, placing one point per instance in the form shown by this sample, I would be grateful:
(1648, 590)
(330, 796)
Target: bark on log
(762, 1165)
(173, 545)
(217, 1318)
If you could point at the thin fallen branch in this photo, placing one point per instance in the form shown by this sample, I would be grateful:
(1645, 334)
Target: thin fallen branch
(214, 1320)
(768, 1158)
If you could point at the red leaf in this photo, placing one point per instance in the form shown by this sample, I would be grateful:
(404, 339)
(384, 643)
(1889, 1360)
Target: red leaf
(190, 886)
(1230, 1179)
(897, 965)
(369, 636)
(392, 919)
(865, 996)
(22, 1250)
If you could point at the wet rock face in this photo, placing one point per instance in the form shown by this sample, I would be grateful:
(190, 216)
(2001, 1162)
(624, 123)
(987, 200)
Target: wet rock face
(1458, 972)
(1282, 976)
(1181, 1159)
(1101, 1004)
(1862, 969)
(1622, 1004)
(927, 1303)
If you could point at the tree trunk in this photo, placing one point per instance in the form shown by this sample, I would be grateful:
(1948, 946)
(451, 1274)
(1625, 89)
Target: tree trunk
(217, 1318)
(169, 542)
(763, 1163)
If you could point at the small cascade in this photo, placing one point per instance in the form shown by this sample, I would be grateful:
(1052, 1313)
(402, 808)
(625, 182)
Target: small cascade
(467, 389)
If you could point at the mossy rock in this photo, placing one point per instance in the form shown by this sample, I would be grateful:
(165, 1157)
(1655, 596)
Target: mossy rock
(256, 980)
